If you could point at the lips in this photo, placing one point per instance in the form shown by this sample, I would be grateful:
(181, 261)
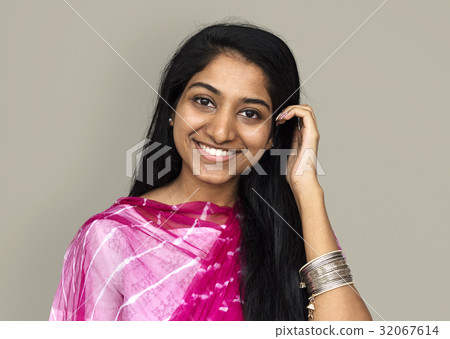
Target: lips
(214, 147)
(209, 156)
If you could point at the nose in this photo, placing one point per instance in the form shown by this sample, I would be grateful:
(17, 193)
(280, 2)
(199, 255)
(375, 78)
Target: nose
(221, 126)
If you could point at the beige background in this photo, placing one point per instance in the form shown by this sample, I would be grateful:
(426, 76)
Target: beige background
(71, 107)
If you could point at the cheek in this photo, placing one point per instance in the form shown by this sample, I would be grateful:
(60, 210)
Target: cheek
(179, 134)
(188, 121)
(255, 140)
(183, 132)
(256, 146)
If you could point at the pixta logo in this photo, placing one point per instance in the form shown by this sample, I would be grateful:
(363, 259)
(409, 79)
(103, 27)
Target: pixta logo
(139, 153)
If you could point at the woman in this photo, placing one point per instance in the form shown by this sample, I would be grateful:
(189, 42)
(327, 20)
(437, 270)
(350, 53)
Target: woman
(216, 223)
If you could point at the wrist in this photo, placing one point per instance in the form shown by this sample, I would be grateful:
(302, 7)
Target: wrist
(307, 193)
(307, 188)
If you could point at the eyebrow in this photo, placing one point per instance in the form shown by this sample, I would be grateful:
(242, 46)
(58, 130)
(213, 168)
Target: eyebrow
(243, 99)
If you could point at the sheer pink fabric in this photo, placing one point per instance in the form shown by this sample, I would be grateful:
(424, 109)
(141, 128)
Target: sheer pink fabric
(144, 260)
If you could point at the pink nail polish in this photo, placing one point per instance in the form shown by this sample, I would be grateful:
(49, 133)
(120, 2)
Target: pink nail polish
(284, 114)
(281, 115)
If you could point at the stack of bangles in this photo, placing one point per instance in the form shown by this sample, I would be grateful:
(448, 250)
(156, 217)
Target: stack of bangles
(323, 274)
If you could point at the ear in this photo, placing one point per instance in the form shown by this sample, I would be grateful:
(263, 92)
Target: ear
(173, 117)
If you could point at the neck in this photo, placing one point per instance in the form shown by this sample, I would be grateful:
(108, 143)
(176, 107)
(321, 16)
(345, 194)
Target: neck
(188, 187)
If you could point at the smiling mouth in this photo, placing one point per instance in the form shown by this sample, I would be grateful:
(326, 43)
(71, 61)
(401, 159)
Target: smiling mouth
(215, 152)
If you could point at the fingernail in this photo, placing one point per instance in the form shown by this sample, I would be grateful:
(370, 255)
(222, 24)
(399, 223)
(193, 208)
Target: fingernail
(281, 115)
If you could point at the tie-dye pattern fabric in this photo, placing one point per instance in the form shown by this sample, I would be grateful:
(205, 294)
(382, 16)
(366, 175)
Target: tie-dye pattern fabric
(144, 260)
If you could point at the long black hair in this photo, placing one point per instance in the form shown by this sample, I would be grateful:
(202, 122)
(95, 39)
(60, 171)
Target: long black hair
(271, 252)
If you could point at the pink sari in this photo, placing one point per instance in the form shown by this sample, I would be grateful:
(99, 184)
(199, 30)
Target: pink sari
(144, 260)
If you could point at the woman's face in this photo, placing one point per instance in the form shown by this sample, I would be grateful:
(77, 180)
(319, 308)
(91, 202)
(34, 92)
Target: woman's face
(215, 111)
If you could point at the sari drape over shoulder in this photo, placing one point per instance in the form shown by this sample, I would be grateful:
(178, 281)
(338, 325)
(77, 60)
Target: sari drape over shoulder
(144, 260)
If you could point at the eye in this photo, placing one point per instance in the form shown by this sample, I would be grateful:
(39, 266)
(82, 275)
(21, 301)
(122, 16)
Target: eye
(203, 101)
(253, 114)
(248, 113)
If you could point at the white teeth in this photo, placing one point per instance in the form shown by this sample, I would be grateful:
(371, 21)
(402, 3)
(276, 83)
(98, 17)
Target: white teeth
(217, 152)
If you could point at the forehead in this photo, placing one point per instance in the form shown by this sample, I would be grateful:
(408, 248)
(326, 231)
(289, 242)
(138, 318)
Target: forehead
(234, 77)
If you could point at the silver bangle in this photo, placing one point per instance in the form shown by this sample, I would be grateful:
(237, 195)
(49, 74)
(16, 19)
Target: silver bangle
(329, 277)
(337, 264)
(323, 274)
(311, 272)
(320, 259)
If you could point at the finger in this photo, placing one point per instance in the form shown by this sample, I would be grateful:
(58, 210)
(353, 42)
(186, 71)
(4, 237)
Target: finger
(306, 116)
(283, 111)
(283, 114)
(309, 108)
(286, 114)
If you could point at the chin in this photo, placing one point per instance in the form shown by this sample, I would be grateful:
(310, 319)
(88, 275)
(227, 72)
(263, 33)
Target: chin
(215, 178)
